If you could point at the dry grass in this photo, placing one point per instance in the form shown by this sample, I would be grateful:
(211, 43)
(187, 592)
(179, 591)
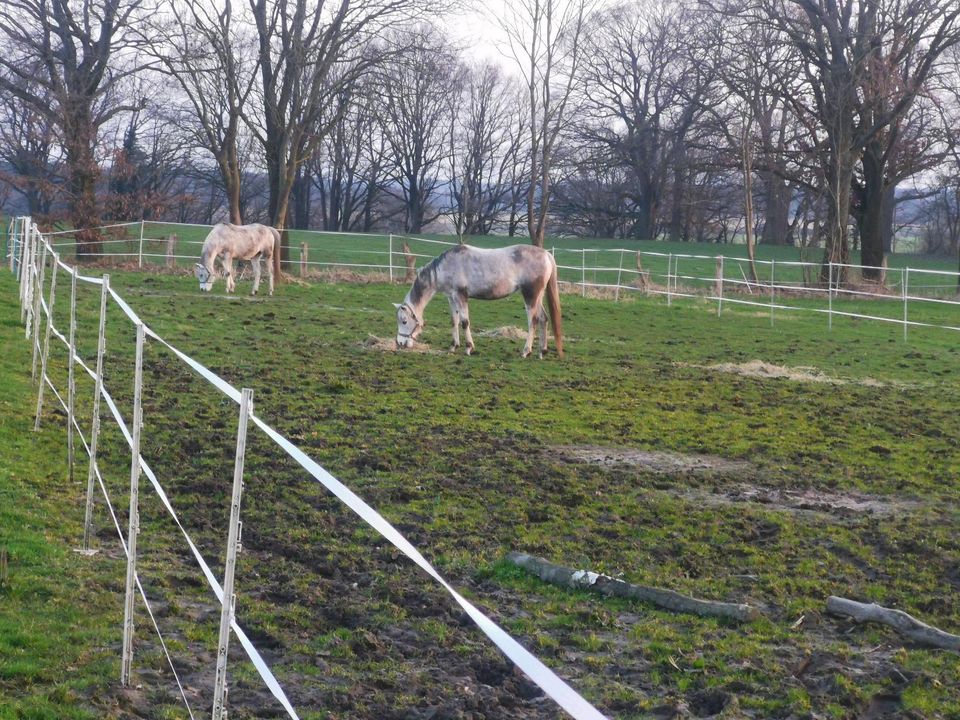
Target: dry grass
(761, 369)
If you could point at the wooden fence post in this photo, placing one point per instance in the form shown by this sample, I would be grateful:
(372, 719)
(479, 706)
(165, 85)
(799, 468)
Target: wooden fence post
(411, 262)
(171, 250)
(303, 259)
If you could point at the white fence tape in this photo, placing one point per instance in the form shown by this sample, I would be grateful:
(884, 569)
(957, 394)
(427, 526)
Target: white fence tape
(546, 679)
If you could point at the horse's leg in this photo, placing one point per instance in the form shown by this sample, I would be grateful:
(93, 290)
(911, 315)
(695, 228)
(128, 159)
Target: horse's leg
(531, 319)
(454, 301)
(228, 270)
(255, 263)
(465, 324)
(270, 272)
(542, 321)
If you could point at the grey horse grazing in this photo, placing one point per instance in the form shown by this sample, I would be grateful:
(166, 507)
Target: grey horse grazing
(240, 242)
(464, 272)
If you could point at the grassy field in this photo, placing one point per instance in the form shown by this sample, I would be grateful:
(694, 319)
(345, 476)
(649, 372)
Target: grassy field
(840, 478)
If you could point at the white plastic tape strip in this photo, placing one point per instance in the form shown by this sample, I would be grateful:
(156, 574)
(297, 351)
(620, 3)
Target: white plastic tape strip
(539, 673)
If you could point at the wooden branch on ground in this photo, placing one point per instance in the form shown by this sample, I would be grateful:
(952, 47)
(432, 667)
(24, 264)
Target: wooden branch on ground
(905, 624)
(605, 585)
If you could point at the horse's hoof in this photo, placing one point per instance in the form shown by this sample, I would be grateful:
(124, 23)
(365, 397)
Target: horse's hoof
(525, 354)
(471, 350)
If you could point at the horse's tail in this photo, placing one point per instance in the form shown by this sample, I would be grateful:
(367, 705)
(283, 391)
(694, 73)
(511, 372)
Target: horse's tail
(553, 300)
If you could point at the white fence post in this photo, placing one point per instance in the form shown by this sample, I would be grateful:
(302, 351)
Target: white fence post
(830, 296)
(391, 257)
(773, 265)
(140, 251)
(669, 276)
(71, 386)
(905, 281)
(619, 276)
(46, 344)
(133, 527)
(38, 270)
(583, 272)
(719, 285)
(228, 604)
(95, 430)
(23, 274)
(37, 306)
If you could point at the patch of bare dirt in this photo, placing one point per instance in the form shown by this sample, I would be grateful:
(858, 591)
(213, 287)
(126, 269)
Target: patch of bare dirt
(821, 501)
(672, 463)
(652, 460)
(761, 369)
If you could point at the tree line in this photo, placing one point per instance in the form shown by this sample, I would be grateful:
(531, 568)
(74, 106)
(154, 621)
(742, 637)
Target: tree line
(803, 122)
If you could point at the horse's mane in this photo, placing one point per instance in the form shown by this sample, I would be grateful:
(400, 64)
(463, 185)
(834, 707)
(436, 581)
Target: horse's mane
(427, 277)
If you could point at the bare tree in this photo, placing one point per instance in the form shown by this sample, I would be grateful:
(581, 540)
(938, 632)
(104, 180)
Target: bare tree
(84, 54)
(27, 146)
(483, 150)
(348, 170)
(646, 84)
(201, 48)
(418, 85)
(847, 45)
(546, 39)
(308, 50)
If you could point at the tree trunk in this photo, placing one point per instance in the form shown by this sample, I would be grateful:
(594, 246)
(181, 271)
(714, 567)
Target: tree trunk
(83, 173)
(837, 247)
(776, 220)
(872, 212)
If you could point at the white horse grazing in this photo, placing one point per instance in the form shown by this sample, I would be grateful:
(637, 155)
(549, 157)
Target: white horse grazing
(241, 242)
(469, 272)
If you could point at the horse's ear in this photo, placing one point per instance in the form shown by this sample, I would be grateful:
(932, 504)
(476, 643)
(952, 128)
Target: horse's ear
(397, 305)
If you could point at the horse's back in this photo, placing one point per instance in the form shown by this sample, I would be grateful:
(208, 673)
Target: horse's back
(243, 241)
(491, 273)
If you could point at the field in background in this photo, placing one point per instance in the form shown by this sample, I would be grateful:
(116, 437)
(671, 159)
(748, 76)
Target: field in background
(841, 477)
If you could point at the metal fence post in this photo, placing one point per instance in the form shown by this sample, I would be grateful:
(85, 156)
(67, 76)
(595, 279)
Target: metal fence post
(830, 296)
(46, 344)
(905, 281)
(71, 386)
(140, 251)
(228, 604)
(134, 517)
(391, 257)
(95, 430)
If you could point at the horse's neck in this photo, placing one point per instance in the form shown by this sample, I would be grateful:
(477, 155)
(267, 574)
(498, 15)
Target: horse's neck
(207, 256)
(420, 294)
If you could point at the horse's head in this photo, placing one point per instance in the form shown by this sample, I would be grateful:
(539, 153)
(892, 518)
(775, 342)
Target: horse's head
(204, 276)
(409, 326)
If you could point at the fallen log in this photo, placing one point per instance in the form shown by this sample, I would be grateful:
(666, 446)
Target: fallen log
(606, 585)
(902, 622)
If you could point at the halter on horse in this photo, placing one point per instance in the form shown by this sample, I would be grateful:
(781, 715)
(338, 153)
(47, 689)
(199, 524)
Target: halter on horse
(243, 242)
(464, 272)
